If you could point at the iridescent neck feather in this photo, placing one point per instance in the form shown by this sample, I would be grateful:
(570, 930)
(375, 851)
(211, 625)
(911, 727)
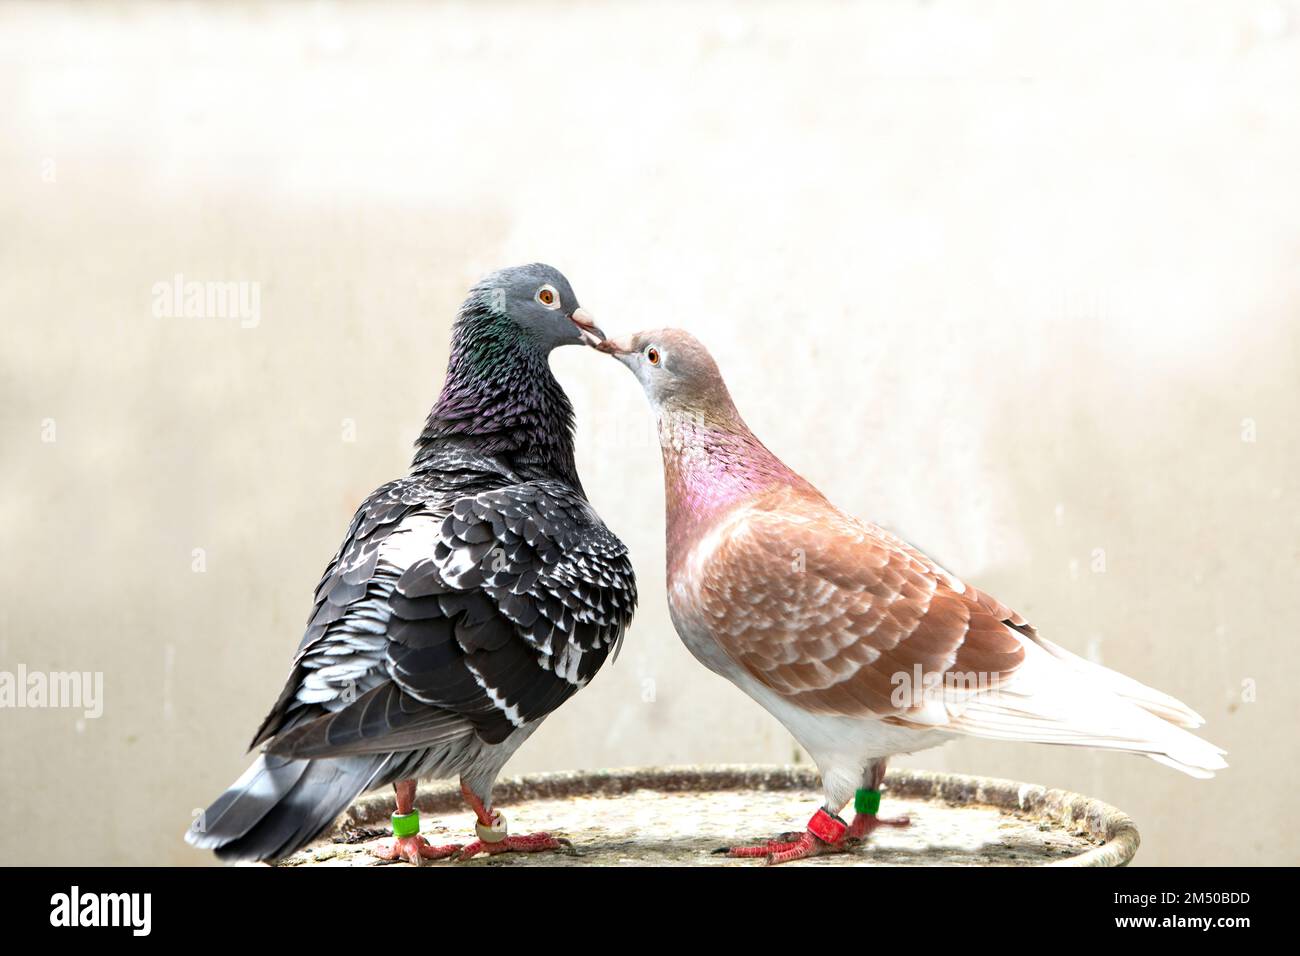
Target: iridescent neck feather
(712, 464)
(499, 398)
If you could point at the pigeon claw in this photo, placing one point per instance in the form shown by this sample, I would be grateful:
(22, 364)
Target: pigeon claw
(780, 840)
(864, 823)
(786, 847)
(413, 849)
(528, 843)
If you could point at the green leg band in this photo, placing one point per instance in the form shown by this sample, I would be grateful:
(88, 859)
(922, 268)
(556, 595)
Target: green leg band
(867, 801)
(406, 824)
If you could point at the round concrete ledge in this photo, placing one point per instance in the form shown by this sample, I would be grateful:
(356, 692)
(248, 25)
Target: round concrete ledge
(676, 816)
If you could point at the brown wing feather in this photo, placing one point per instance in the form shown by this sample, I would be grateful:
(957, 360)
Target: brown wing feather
(826, 610)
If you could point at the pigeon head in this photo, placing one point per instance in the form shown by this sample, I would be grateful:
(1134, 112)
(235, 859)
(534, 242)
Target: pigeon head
(677, 373)
(712, 461)
(499, 396)
(534, 303)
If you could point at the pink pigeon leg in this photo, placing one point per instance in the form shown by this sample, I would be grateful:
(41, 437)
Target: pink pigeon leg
(413, 849)
(825, 834)
(493, 837)
(866, 820)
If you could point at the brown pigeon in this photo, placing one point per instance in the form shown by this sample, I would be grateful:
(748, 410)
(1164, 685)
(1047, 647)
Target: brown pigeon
(857, 642)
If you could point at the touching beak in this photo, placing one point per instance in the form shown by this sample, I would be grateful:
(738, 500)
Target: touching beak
(587, 328)
(616, 347)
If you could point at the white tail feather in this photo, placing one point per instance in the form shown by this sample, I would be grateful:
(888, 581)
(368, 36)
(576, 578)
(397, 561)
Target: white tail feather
(1057, 698)
(1148, 698)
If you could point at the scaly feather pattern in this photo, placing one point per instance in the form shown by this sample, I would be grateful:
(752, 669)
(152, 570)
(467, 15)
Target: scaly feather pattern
(861, 645)
(468, 601)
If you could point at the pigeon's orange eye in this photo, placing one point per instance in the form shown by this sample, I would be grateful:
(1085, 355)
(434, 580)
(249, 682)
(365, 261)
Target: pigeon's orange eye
(548, 297)
(652, 355)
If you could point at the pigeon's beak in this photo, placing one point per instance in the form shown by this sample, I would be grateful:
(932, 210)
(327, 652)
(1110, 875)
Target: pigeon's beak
(588, 330)
(616, 347)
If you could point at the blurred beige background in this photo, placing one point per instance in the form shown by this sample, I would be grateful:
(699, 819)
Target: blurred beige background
(1019, 280)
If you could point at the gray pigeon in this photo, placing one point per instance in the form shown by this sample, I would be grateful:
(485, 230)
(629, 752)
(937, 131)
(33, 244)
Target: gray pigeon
(468, 601)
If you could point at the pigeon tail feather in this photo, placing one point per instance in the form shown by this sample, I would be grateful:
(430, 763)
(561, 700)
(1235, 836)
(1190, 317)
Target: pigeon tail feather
(1047, 702)
(281, 804)
(1149, 699)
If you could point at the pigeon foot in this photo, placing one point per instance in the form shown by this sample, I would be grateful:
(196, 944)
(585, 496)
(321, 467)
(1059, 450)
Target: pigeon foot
(864, 823)
(826, 833)
(494, 833)
(413, 849)
(528, 843)
(777, 851)
(407, 844)
(780, 841)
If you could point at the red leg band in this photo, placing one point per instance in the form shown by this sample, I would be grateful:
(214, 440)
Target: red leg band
(826, 827)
